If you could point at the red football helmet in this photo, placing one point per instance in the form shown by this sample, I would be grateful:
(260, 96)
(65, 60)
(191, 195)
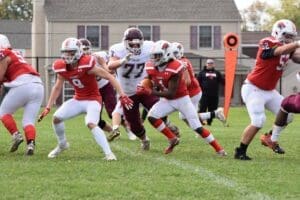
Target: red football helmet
(133, 40)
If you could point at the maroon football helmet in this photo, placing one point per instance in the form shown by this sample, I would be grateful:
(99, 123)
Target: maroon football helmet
(133, 40)
(85, 46)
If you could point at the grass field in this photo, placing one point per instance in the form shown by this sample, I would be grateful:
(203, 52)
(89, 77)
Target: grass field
(192, 171)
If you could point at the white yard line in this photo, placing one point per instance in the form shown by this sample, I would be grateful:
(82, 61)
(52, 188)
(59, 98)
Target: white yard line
(204, 173)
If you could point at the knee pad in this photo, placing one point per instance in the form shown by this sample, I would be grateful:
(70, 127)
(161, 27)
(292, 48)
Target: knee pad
(258, 120)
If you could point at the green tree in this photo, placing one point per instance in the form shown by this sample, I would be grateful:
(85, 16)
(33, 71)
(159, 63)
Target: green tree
(289, 9)
(16, 9)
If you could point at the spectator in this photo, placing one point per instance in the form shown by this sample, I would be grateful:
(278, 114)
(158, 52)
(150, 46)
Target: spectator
(209, 79)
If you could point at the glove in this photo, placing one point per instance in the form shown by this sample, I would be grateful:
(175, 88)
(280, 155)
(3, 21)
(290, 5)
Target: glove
(43, 114)
(126, 58)
(126, 102)
(141, 90)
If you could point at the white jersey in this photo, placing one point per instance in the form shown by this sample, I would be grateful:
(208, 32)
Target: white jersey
(133, 72)
(101, 81)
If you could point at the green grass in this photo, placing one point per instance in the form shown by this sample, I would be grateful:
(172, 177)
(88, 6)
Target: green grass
(192, 171)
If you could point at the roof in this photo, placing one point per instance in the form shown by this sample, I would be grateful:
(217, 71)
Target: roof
(253, 37)
(18, 33)
(141, 10)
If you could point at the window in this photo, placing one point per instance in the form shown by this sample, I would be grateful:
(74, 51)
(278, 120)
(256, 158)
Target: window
(97, 35)
(205, 37)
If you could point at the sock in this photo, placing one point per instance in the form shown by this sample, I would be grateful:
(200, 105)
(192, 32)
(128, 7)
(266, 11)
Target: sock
(30, 132)
(205, 116)
(161, 126)
(9, 123)
(276, 132)
(243, 147)
(209, 138)
(60, 132)
(101, 139)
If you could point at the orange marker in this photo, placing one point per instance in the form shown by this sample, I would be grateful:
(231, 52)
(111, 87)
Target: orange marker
(230, 41)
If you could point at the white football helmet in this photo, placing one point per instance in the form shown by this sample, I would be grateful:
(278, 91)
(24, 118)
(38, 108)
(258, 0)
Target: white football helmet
(177, 50)
(70, 49)
(284, 31)
(4, 42)
(133, 40)
(161, 52)
(85, 46)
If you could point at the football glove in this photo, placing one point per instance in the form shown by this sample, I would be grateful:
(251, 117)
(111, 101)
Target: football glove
(43, 114)
(126, 102)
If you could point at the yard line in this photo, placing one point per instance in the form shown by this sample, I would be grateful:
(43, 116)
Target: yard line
(202, 172)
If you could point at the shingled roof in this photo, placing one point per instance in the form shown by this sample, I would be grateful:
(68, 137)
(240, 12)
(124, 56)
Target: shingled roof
(18, 33)
(141, 10)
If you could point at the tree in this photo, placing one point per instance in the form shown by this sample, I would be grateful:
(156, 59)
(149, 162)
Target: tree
(289, 9)
(16, 9)
(253, 16)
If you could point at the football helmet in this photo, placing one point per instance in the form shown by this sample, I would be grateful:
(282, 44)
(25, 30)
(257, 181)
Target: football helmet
(85, 46)
(284, 31)
(70, 50)
(161, 52)
(133, 40)
(4, 42)
(177, 50)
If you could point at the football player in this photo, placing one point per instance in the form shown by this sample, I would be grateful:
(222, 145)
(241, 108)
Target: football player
(81, 72)
(26, 91)
(259, 89)
(167, 75)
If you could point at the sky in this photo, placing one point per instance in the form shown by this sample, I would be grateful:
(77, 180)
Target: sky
(241, 4)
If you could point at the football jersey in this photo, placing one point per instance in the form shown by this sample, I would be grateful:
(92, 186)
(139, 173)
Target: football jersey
(161, 77)
(18, 66)
(194, 88)
(267, 72)
(85, 85)
(132, 72)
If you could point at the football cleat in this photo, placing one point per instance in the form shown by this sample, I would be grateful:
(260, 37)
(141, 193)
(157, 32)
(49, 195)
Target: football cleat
(30, 148)
(17, 139)
(240, 156)
(220, 115)
(266, 141)
(222, 153)
(60, 148)
(113, 135)
(173, 142)
(110, 157)
(145, 144)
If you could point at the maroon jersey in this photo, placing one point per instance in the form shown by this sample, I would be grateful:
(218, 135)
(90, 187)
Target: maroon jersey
(85, 85)
(17, 65)
(161, 78)
(194, 88)
(267, 72)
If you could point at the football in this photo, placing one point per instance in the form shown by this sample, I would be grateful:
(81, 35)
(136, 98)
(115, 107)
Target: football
(296, 56)
(147, 83)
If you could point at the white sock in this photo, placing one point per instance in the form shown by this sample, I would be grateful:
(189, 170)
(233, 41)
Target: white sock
(205, 116)
(101, 140)
(60, 132)
(276, 132)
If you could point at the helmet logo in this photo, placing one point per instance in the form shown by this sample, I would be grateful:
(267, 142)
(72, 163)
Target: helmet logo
(281, 25)
(165, 46)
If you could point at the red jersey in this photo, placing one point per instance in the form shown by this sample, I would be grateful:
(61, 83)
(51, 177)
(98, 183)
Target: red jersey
(85, 85)
(17, 66)
(267, 72)
(161, 78)
(194, 88)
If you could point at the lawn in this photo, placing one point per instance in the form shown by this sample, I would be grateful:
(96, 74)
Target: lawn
(192, 171)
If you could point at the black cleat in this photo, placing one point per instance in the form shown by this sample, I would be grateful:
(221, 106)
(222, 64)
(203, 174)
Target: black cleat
(240, 156)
